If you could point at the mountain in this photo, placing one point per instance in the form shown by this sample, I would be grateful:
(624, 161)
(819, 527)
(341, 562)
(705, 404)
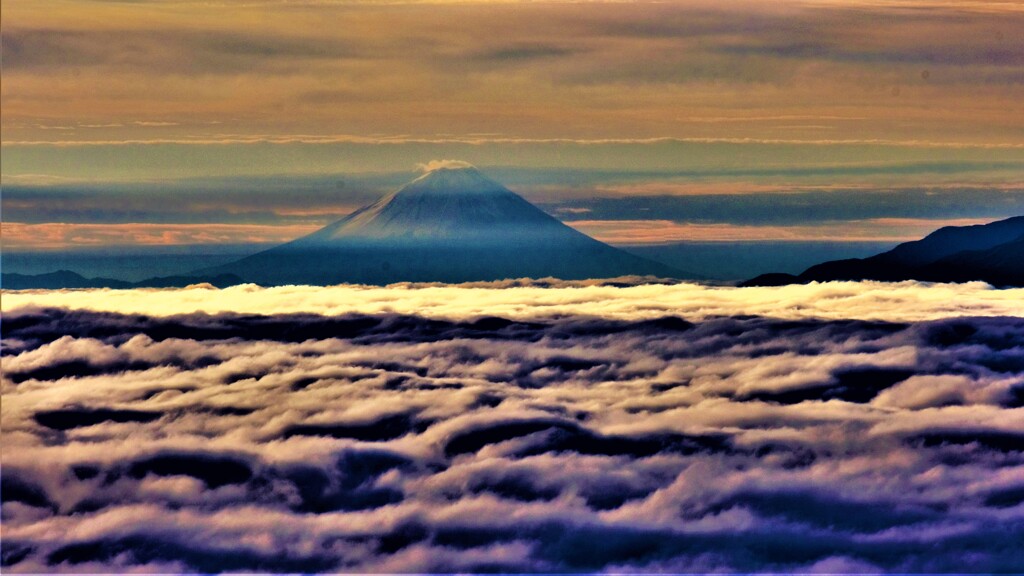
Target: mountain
(68, 279)
(57, 280)
(452, 224)
(1001, 265)
(992, 253)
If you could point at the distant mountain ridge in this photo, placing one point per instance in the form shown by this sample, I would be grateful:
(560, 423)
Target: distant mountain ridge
(68, 279)
(449, 225)
(992, 253)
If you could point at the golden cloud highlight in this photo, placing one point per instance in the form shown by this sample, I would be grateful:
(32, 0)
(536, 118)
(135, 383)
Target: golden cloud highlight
(900, 302)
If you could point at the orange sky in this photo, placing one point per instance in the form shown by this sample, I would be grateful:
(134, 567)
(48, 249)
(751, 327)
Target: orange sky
(93, 70)
(733, 98)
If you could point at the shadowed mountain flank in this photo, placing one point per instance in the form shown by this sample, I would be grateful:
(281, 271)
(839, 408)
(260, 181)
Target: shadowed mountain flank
(449, 225)
(992, 253)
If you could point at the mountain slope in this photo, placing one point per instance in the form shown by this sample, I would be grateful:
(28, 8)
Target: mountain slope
(1001, 265)
(68, 279)
(57, 280)
(950, 240)
(449, 204)
(992, 253)
(450, 225)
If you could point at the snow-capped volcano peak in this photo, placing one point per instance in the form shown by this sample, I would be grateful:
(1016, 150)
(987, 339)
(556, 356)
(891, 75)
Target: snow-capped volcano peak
(446, 204)
(453, 180)
(452, 224)
(440, 164)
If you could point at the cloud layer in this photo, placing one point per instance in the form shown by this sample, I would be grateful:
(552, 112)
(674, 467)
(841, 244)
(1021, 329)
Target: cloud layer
(392, 442)
(628, 298)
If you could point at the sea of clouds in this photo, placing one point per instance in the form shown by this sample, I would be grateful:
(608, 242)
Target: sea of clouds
(550, 427)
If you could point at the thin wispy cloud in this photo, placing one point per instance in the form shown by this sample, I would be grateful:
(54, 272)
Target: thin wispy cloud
(478, 140)
(57, 236)
(667, 231)
(528, 70)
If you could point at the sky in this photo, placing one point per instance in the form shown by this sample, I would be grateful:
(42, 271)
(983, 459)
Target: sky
(545, 426)
(166, 122)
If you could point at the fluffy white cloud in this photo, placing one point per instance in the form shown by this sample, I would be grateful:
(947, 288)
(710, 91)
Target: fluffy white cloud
(897, 302)
(392, 442)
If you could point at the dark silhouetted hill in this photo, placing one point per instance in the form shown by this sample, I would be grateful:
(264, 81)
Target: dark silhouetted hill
(67, 279)
(992, 253)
